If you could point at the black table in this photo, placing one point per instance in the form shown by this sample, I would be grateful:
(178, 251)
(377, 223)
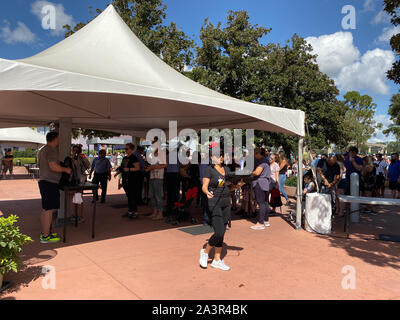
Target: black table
(79, 188)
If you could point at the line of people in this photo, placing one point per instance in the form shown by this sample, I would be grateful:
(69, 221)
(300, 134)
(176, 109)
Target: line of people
(334, 177)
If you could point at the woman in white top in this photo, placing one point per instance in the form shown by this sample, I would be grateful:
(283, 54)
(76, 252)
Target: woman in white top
(274, 178)
(341, 186)
(156, 186)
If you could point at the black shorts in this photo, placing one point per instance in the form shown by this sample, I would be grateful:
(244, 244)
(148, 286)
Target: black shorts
(380, 180)
(50, 195)
(394, 185)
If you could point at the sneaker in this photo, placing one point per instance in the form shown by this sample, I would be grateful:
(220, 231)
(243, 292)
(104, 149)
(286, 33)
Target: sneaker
(49, 239)
(134, 215)
(220, 265)
(158, 216)
(267, 224)
(203, 259)
(81, 219)
(126, 215)
(257, 227)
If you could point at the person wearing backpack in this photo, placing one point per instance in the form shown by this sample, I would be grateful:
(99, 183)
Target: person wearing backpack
(80, 164)
(49, 177)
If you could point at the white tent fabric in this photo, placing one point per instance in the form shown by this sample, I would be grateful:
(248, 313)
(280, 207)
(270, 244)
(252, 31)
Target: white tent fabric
(21, 137)
(104, 77)
(111, 141)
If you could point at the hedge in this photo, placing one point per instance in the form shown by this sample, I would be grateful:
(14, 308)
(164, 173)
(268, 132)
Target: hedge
(291, 181)
(25, 161)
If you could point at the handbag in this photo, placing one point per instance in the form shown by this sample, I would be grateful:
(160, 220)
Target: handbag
(274, 198)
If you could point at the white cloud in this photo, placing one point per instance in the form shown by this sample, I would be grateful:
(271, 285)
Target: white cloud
(388, 33)
(369, 73)
(62, 18)
(21, 34)
(381, 17)
(379, 136)
(369, 5)
(335, 51)
(341, 60)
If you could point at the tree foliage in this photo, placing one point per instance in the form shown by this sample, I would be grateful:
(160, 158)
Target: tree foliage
(392, 7)
(394, 112)
(359, 119)
(233, 61)
(393, 146)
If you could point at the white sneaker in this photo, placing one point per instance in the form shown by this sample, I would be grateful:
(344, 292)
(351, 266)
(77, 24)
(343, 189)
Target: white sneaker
(257, 227)
(203, 259)
(267, 224)
(220, 265)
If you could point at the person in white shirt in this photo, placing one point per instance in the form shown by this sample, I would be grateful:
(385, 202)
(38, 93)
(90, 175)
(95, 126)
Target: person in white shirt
(156, 184)
(274, 178)
(381, 175)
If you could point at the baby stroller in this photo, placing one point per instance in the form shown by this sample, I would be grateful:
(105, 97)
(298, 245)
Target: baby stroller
(181, 208)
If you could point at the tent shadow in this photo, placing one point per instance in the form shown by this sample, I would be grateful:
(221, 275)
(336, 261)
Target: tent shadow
(364, 242)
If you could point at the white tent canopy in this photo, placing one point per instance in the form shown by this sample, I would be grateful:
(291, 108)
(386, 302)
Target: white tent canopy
(111, 141)
(104, 77)
(21, 137)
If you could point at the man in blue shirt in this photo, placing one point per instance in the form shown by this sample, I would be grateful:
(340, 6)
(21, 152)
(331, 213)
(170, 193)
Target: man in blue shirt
(394, 175)
(314, 162)
(102, 174)
(353, 163)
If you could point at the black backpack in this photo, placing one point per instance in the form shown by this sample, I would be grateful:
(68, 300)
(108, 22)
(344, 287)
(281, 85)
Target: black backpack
(69, 180)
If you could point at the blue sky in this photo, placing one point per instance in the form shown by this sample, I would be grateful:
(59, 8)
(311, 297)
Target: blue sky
(357, 59)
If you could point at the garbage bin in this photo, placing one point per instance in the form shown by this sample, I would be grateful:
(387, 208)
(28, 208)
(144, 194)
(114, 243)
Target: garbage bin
(18, 162)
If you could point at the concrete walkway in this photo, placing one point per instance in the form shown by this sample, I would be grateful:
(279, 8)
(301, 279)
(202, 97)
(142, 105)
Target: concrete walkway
(143, 259)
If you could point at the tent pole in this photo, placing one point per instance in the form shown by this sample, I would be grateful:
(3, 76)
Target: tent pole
(299, 184)
(64, 149)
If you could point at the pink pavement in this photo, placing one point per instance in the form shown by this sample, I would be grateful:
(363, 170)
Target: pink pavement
(144, 259)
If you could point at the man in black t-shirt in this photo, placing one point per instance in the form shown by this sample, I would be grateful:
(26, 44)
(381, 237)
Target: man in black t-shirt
(129, 171)
(329, 173)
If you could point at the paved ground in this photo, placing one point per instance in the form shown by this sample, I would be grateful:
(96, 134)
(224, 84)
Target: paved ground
(143, 259)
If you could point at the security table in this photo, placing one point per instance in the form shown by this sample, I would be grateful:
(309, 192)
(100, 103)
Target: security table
(79, 188)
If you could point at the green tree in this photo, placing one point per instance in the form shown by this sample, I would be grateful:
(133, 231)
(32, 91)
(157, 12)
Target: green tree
(394, 112)
(359, 120)
(392, 7)
(233, 61)
(393, 146)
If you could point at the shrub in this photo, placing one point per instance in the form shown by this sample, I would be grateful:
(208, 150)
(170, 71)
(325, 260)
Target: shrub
(27, 153)
(291, 181)
(25, 161)
(11, 243)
